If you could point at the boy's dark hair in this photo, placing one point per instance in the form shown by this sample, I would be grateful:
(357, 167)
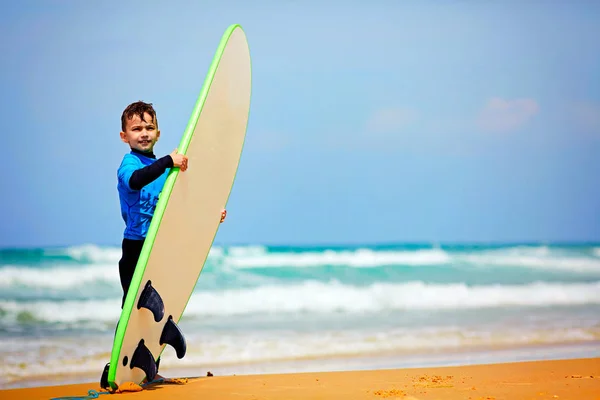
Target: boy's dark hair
(138, 108)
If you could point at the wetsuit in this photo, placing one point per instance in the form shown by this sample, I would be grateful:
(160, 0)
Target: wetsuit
(141, 178)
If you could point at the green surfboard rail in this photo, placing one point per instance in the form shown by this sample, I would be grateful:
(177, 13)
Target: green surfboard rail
(161, 206)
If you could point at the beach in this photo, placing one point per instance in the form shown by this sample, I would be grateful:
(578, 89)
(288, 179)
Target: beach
(577, 379)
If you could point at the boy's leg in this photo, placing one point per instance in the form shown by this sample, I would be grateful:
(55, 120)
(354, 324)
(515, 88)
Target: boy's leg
(131, 250)
(131, 253)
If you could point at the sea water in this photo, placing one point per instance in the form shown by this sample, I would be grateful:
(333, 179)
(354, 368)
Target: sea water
(284, 308)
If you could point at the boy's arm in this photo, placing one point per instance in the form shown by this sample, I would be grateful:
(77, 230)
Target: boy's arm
(144, 176)
(136, 179)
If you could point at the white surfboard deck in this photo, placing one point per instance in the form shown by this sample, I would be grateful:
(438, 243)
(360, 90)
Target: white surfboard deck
(185, 223)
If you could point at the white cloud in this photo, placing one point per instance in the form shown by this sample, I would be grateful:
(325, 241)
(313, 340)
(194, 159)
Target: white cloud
(500, 115)
(389, 120)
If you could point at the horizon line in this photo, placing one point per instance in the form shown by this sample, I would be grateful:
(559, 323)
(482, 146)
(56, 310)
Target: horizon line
(369, 243)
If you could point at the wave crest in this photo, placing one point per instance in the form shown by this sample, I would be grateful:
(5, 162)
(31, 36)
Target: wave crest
(323, 298)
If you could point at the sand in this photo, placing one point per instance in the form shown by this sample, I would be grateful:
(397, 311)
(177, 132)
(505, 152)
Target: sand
(558, 379)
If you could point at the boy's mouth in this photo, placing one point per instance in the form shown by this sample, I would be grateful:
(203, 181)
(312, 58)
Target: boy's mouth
(144, 142)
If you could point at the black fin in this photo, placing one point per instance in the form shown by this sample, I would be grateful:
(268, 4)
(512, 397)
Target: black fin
(104, 378)
(172, 335)
(143, 359)
(151, 300)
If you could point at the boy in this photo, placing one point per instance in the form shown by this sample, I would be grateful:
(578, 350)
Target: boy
(141, 178)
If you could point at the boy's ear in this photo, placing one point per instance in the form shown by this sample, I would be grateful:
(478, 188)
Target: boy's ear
(157, 134)
(123, 137)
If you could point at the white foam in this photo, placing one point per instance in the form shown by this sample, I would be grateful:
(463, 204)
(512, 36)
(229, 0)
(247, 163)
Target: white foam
(100, 265)
(58, 277)
(91, 253)
(318, 297)
(351, 258)
(333, 297)
(541, 257)
(247, 251)
(63, 311)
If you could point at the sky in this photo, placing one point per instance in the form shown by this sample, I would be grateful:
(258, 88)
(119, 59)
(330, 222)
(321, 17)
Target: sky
(381, 121)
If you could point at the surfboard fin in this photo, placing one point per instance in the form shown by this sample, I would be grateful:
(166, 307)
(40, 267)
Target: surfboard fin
(172, 335)
(151, 300)
(143, 359)
(104, 377)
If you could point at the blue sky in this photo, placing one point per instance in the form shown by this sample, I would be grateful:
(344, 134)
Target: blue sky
(370, 121)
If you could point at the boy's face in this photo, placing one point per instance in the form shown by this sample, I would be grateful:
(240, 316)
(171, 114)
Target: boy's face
(141, 135)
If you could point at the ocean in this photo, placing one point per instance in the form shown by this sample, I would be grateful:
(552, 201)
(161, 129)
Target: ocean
(260, 309)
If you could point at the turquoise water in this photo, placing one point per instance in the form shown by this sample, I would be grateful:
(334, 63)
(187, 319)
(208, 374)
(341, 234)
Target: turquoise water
(255, 305)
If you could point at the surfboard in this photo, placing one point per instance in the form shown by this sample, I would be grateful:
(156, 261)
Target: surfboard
(187, 217)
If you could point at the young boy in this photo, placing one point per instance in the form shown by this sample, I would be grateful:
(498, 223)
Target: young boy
(141, 178)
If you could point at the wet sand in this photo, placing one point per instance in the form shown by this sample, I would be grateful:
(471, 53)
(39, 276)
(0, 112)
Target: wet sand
(557, 379)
